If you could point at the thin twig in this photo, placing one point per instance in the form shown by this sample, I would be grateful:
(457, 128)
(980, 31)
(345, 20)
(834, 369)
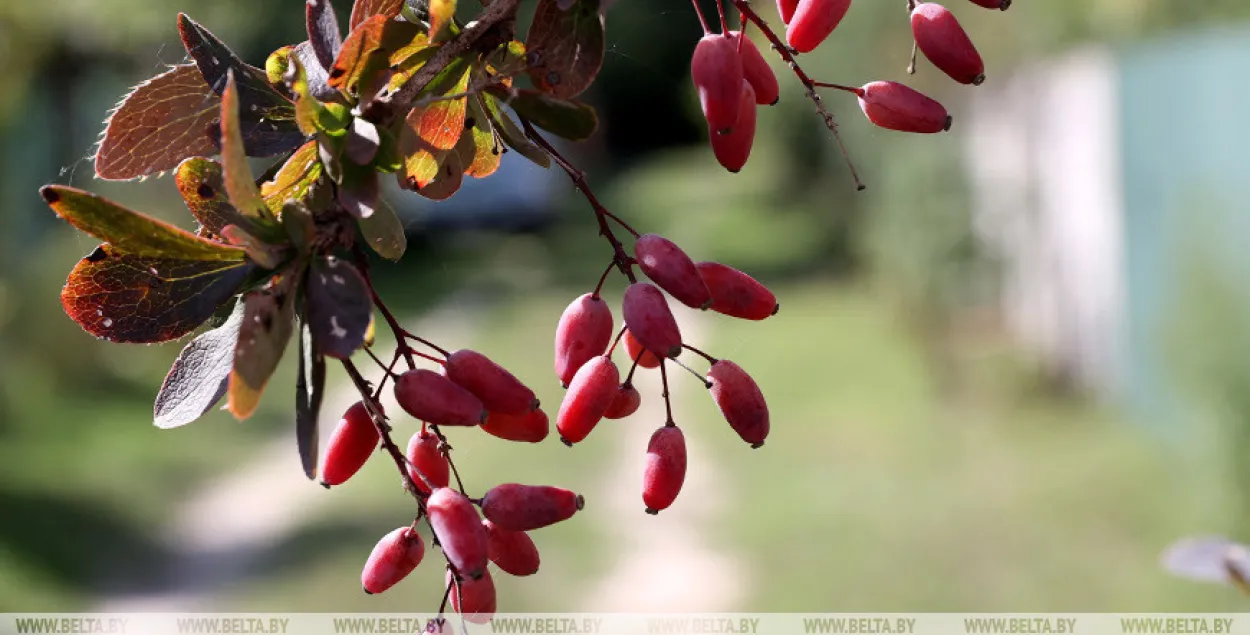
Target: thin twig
(668, 403)
(702, 20)
(384, 431)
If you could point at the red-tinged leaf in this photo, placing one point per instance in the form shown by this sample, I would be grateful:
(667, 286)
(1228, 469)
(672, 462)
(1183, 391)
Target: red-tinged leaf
(268, 319)
(408, 59)
(203, 187)
(480, 150)
(365, 9)
(384, 232)
(127, 298)
(565, 48)
(240, 184)
(441, 14)
(294, 180)
(511, 134)
(340, 307)
(572, 120)
(323, 30)
(200, 375)
(129, 232)
(362, 55)
(161, 122)
(430, 131)
(446, 181)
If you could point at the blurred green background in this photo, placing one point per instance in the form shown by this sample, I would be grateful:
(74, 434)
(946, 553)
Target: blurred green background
(921, 459)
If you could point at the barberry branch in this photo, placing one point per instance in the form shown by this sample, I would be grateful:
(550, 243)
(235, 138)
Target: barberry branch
(374, 407)
(744, 7)
(620, 257)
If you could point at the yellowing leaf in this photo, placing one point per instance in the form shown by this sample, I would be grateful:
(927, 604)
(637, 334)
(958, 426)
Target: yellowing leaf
(240, 184)
(294, 179)
(268, 320)
(441, 14)
(430, 131)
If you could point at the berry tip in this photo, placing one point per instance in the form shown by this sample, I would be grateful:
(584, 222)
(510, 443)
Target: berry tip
(653, 512)
(581, 502)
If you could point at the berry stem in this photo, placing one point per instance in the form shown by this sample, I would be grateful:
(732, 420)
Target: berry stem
(624, 225)
(668, 403)
(709, 358)
(744, 7)
(446, 450)
(702, 20)
(362, 264)
(724, 24)
(616, 341)
(441, 351)
(620, 257)
(706, 383)
(859, 92)
(629, 379)
(604, 277)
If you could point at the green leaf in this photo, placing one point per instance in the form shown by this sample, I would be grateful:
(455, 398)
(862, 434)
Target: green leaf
(309, 392)
(511, 134)
(572, 120)
(129, 232)
(161, 122)
(128, 298)
(480, 150)
(340, 307)
(268, 316)
(240, 184)
(384, 232)
(565, 48)
(200, 375)
(295, 180)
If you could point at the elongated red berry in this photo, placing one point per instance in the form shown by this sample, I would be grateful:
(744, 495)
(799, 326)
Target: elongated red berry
(648, 317)
(894, 106)
(427, 461)
(813, 21)
(584, 332)
(732, 150)
(459, 531)
(717, 72)
(513, 552)
(497, 389)
(473, 599)
(670, 268)
(392, 559)
(625, 403)
(526, 507)
(530, 427)
(633, 347)
(590, 394)
(1001, 5)
(432, 397)
(786, 9)
(740, 401)
(940, 37)
(666, 468)
(736, 294)
(351, 444)
(755, 69)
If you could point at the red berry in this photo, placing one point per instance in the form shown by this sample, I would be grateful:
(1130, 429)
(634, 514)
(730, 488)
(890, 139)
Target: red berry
(894, 106)
(351, 444)
(498, 389)
(525, 507)
(634, 347)
(459, 531)
(733, 149)
(940, 37)
(625, 403)
(432, 397)
(757, 71)
(648, 317)
(392, 559)
(786, 9)
(474, 600)
(1001, 5)
(530, 427)
(584, 332)
(813, 21)
(426, 460)
(513, 552)
(717, 72)
(666, 468)
(666, 264)
(740, 401)
(589, 396)
(736, 294)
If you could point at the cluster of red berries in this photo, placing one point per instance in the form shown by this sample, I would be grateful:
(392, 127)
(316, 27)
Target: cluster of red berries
(731, 76)
(471, 390)
(584, 345)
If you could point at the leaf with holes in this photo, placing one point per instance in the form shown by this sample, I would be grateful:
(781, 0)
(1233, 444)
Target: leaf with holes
(339, 307)
(240, 184)
(565, 48)
(511, 134)
(430, 131)
(572, 120)
(268, 316)
(506, 61)
(294, 179)
(310, 386)
(480, 150)
(130, 232)
(447, 180)
(384, 232)
(200, 375)
(128, 298)
(203, 187)
(323, 30)
(365, 9)
(161, 122)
